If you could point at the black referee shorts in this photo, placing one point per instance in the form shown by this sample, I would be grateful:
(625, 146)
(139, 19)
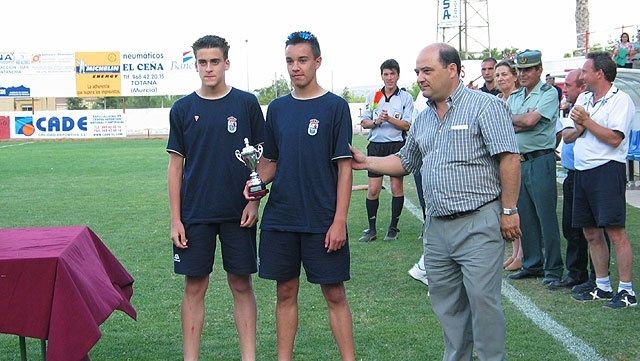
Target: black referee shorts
(382, 150)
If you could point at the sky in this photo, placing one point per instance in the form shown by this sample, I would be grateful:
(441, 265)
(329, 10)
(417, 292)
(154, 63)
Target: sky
(355, 36)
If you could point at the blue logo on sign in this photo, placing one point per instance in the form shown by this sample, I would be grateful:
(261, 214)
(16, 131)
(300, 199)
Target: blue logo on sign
(61, 124)
(24, 125)
(15, 91)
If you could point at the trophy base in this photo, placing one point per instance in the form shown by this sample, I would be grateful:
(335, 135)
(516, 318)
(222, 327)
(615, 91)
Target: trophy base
(259, 194)
(258, 191)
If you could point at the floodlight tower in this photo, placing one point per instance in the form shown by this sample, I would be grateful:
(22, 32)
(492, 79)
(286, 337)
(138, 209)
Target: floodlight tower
(465, 25)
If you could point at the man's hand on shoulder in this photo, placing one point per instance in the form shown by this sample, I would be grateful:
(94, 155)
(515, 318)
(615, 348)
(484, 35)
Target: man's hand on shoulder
(358, 160)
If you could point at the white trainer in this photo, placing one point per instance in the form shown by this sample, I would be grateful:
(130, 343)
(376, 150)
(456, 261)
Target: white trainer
(419, 274)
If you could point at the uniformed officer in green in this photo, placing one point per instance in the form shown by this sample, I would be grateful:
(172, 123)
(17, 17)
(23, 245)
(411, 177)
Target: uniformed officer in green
(535, 109)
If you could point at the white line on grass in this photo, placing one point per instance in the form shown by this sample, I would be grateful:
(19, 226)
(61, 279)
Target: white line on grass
(13, 145)
(574, 345)
(580, 349)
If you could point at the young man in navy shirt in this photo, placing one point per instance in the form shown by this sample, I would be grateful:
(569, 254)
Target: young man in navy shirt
(205, 182)
(307, 157)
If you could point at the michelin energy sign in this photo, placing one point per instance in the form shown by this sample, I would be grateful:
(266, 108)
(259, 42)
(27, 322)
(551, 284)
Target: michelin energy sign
(97, 74)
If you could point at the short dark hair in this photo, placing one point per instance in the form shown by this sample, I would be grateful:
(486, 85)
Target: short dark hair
(390, 64)
(299, 37)
(211, 41)
(447, 54)
(491, 59)
(602, 61)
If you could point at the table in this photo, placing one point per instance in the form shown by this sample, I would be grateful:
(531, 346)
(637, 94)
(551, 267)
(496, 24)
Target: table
(59, 284)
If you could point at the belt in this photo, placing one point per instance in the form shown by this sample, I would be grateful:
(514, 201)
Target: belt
(456, 215)
(535, 154)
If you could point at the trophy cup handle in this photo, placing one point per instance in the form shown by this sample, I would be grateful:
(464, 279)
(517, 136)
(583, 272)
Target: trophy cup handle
(239, 156)
(259, 150)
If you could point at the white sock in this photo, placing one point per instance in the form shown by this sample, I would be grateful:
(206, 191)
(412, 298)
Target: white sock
(627, 287)
(604, 284)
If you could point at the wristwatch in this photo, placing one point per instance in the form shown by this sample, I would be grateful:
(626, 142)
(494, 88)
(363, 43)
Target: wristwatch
(509, 211)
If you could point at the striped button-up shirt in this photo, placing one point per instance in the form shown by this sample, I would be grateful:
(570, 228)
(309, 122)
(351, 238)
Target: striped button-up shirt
(457, 154)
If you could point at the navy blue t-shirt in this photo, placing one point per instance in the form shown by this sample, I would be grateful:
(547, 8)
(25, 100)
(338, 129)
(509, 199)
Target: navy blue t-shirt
(206, 133)
(305, 137)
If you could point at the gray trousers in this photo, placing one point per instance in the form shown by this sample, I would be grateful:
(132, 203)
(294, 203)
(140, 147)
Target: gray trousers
(463, 258)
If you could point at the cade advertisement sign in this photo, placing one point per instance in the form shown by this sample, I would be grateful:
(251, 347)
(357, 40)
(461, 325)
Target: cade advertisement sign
(66, 124)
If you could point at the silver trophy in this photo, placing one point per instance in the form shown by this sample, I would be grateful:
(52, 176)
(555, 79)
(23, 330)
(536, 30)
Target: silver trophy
(250, 156)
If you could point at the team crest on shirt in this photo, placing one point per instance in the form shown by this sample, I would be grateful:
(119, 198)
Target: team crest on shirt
(196, 117)
(232, 124)
(313, 127)
(397, 115)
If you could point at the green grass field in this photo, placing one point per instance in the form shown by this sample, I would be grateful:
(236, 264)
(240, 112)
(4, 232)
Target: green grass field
(118, 188)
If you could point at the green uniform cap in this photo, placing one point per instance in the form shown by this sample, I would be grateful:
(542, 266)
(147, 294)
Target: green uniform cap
(528, 58)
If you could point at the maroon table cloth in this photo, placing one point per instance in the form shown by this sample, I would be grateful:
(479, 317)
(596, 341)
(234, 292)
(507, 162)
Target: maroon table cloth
(60, 284)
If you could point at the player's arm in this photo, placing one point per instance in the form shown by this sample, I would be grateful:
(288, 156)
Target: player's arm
(336, 236)
(174, 183)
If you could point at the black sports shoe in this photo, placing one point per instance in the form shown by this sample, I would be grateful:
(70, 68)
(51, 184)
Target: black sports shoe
(549, 280)
(566, 282)
(622, 299)
(392, 234)
(368, 236)
(588, 285)
(593, 295)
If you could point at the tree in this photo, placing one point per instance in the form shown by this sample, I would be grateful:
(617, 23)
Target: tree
(76, 104)
(346, 94)
(414, 89)
(134, 102)
(582, 27)
(140, 102)
(599, 47)
(278, 88)
(156, 101)
(467, 55)
(506, 53)
(108, 103)
(350, 97)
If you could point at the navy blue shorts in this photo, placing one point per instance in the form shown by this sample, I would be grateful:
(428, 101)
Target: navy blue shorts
(599, 198)
(238, 246)
(382, 150)
(282, 253)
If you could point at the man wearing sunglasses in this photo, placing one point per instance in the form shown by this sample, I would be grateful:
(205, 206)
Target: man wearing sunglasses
(307, 156)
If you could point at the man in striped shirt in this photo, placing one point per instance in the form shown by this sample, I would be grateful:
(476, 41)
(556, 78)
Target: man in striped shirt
(464, 145)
